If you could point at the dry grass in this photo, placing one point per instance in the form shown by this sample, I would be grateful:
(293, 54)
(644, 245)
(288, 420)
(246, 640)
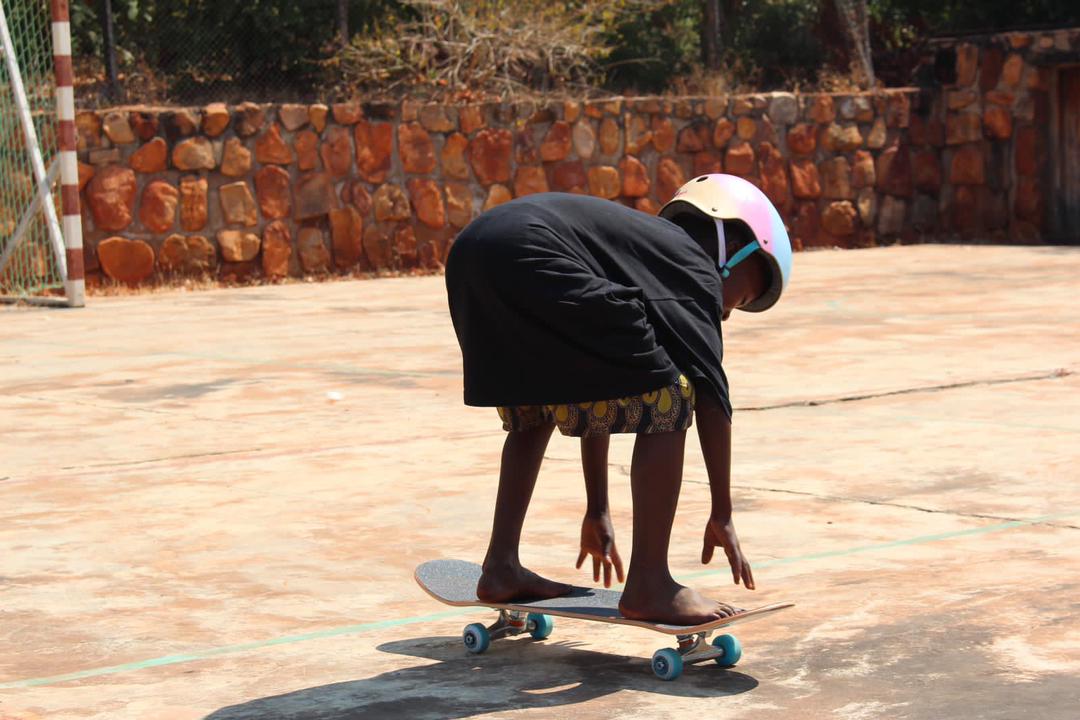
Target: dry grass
(488, 48)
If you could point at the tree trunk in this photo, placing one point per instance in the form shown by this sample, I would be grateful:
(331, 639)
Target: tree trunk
(857, 26)
(710, 35)
(343, 21)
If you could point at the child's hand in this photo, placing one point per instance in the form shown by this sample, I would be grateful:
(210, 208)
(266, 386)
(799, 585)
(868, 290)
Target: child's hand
(598, 540)
(722, 533)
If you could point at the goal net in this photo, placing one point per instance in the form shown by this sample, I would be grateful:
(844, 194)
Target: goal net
(33, 256)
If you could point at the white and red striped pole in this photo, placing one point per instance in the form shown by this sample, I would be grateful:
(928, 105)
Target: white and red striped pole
(75, 283)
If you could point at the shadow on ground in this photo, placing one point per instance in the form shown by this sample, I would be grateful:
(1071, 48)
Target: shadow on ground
(516, 674)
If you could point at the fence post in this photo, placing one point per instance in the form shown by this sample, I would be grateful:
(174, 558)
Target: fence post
(109, 49)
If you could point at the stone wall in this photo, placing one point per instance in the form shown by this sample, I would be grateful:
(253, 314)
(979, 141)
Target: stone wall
(258, 191)
(991, 124)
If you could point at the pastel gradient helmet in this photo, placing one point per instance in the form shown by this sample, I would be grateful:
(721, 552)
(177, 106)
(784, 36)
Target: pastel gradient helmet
(729, 199)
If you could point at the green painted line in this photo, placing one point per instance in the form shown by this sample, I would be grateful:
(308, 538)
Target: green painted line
(229, 649)
(385, 624)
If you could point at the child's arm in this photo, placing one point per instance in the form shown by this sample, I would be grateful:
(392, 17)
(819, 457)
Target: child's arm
(714, 432)
(597, 533)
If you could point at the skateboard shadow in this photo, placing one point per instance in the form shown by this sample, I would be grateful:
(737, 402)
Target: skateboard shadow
(515, 674)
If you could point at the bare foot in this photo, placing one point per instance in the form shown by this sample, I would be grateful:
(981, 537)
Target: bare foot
(666, 601)
(513, 582)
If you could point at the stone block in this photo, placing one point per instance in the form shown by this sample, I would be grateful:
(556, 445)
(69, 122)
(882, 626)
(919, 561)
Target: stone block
(557, 142)
(271, 148)
(293, 116)
(126, 261)
(427, 200)
(311, 247)
(783, 108)
(238, 245)
(193, 203)
(248, 119)
(707, 162)
(802, 139)
(151, 157)
(273, 190)
(497, 195)
(111, 197)
(604, 182)
(836, 179)
(416, 148)
(117, 128)
(739, 159)
(157, 209)
(374, 144)
(347, 237)
(570, 176)
(390, 203)
(437, 118)
(663, 134)
(489, 155)
(313, 195)
(584, 139)
(635, 177)
(453, 155)
(336, 152)
(237, 204)
(194, 154)
(805, 179)
(839, 218)
(669, 178)
(459, 204)
(187, 255)
(723, 131)
(215, 119)
(276, 249)
(610, 136)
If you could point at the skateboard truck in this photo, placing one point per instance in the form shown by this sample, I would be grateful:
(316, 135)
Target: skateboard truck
(667, 663)
(477, 637)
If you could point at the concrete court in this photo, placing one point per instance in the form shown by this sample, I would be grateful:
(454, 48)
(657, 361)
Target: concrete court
(191, 528)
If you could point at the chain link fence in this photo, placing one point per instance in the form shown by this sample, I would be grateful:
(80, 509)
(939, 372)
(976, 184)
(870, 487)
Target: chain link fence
(196, 51)
(28, 257)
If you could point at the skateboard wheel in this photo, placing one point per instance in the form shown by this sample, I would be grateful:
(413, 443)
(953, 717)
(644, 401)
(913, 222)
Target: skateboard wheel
(476, 638)
(540, 625)
(731, 648)
(667, 664)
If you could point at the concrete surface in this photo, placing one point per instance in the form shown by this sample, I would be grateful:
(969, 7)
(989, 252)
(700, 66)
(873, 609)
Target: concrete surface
(191, 528)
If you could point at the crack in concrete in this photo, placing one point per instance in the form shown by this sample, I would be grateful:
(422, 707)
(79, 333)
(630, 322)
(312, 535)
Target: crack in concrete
(625, 470)
(1056, 374)
(886, 503)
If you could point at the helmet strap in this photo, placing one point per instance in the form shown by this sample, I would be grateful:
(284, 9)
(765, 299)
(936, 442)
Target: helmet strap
(721, 244)
(744, 252)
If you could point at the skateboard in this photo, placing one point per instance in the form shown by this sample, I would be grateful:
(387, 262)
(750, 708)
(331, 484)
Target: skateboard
(453, 582)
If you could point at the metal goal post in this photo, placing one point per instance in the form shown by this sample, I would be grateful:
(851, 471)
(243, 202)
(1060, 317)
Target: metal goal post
(41, 259)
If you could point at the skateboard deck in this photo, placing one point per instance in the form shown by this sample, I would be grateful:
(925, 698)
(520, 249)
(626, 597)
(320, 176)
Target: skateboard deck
(453, 582)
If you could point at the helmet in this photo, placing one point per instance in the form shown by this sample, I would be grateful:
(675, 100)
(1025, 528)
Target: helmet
(730, 198)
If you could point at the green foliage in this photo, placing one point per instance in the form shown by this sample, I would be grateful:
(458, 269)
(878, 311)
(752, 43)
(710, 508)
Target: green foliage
(271, 49)
(778, 41)
(903, 22)
(650, 42)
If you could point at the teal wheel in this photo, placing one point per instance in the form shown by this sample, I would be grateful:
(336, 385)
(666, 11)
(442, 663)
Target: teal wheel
(540, 625)
(667, 664)
(731, 648)
(476, 638)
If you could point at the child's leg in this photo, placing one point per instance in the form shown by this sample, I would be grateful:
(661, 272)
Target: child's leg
(651, 593)
(504, 578)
